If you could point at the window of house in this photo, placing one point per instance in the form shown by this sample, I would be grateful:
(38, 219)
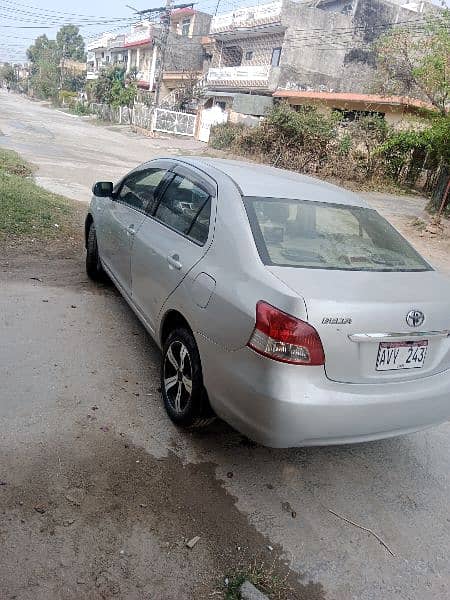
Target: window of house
(186, 208)
(249, 55)
(138, 189)
(185, 26)
(276, 55)
(103, 55)
(348, 116)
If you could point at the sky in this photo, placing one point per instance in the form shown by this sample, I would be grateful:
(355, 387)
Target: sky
(21, 21)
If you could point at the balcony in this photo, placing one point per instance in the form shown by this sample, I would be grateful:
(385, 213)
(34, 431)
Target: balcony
(246, 18)
(238, 77)
(140, 35)
(116, 43)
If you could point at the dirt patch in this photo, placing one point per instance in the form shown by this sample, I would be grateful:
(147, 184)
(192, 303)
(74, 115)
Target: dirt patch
(83, 509)
(435, 248)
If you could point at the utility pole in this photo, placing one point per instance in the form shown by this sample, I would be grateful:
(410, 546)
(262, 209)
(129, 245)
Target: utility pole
(165, 21)
(62, 65)
(164, 15)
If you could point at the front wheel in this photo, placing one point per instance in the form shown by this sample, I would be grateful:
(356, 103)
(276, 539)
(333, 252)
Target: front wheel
(94, 267)
(182, 388)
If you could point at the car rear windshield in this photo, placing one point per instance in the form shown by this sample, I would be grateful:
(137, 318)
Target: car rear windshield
(321, 235)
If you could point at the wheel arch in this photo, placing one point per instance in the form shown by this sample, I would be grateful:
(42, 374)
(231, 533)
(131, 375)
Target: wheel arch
(173, 319)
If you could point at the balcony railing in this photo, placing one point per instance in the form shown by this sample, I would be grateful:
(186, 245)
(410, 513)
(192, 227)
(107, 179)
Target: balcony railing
(100, 42)
(252, 16)
(252, 75)
(117, 42)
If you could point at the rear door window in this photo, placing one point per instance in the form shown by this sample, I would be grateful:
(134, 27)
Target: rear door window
(186, 208)
(138, 189)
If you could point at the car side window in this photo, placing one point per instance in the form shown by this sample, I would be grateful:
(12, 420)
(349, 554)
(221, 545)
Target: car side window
(138, 189)
(186, 207)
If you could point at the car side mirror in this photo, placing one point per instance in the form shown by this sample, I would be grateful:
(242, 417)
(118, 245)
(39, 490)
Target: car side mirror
(102, 189)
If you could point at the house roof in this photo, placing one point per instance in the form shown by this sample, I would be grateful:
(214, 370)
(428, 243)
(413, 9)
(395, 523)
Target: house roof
(353, 98)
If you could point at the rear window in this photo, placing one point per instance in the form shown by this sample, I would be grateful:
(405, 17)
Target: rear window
(320, 235)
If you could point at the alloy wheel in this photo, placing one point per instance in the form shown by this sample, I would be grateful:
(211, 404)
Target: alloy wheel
(178, 376)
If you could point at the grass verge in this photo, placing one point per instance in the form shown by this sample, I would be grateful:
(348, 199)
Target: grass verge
(27, 211)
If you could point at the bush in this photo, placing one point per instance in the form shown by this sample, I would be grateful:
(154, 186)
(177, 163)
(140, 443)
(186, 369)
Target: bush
(224, 135)
(367, 149)
(399, 148)
(81, 109)
(67, 97)
(294, 139)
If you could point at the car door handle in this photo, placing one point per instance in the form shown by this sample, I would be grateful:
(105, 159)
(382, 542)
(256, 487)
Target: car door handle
(174, 261)
(131, 230)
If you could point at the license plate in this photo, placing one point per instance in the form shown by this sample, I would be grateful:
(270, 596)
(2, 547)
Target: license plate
(401, 355)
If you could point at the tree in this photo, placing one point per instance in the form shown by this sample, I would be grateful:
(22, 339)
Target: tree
(42, 49)
(8, 74)
(417, 63)
(112, 88)
(47, 62)
(44, 70)
(70, 43)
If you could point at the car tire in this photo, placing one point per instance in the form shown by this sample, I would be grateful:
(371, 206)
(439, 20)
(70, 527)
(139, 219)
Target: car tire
(94, 267)
(182, 389)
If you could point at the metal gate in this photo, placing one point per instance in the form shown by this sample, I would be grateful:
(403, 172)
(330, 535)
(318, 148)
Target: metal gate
(172, 121)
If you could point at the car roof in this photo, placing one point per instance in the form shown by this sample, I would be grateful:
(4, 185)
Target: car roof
(269, 182)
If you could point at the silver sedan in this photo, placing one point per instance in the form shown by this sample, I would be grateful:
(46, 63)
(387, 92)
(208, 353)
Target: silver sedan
(281, 303)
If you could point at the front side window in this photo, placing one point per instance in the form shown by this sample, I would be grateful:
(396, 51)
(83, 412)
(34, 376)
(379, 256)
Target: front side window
(186, 208)
(320, 235)
(138, 189)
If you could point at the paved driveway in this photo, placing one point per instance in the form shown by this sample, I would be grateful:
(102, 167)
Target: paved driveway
(101, 490)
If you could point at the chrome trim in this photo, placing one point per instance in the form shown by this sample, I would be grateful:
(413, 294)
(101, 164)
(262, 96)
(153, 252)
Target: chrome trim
(391, 337)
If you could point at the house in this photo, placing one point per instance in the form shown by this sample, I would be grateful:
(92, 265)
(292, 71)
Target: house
(395, 109)
(103, 52)
(185, 54)
(138, 51)
(141, 51)
(308, 45)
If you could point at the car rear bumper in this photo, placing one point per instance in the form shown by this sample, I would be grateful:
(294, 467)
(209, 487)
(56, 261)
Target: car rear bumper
(282, 405)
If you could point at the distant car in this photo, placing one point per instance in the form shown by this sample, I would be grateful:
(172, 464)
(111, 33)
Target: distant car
(281, 303)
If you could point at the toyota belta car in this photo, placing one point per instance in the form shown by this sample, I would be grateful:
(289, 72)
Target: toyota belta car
(283, 304)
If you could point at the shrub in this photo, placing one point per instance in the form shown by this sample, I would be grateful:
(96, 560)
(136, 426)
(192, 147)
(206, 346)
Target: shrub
(67, 97)
(81, 109)
(295, 139)
(224, 135)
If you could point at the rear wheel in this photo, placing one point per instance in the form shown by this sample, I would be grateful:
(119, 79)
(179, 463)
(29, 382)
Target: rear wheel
(182, 388)
(94, 267)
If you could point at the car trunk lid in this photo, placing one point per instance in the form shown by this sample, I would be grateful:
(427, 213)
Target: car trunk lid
(361, 319)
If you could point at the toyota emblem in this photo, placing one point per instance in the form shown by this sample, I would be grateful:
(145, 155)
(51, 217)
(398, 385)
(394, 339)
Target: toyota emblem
(415, 318)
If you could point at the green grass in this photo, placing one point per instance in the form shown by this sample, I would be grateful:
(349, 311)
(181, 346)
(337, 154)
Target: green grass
(27, 210)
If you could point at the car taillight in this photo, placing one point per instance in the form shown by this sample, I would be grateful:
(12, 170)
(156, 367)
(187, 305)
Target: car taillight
(282, 337)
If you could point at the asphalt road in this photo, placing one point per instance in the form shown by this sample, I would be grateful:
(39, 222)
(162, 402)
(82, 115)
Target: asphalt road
(100, 490)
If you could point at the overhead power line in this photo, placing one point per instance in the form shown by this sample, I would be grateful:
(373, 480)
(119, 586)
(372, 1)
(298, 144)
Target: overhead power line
(42, 10)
